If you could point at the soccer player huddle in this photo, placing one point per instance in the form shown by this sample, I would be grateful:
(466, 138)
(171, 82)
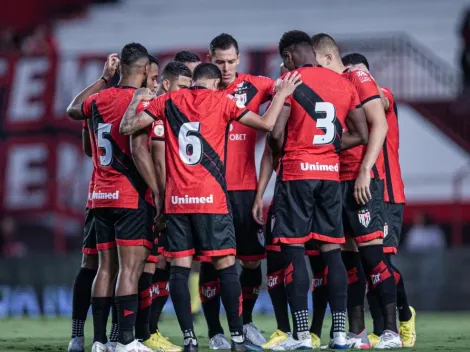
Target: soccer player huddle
(174, 181)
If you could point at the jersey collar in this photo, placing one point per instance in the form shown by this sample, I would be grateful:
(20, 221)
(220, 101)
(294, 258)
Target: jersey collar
(126, 87)
(197, 87)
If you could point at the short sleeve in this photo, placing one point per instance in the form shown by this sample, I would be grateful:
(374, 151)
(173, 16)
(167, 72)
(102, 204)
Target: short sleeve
(265, 86)
(156, 107)
(158, 131)
(234, 109)
(355, 101)
(365, 86)
(86, 106)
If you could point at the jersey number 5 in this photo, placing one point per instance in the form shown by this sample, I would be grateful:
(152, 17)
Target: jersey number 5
(326, 123)
(104, 130)
(190, 145)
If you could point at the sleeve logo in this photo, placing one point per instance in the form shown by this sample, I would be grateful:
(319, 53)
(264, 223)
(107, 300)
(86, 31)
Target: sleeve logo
(363, 76)
(159, 130)
(145, 104)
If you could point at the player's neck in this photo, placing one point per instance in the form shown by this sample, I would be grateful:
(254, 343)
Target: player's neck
(338, 67)
(226, 84)
(130, 82)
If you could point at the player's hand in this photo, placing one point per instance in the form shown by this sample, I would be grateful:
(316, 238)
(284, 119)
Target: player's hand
(362, 188)
(144, 94)
(257, 211)
(286, 86)
(111, 66)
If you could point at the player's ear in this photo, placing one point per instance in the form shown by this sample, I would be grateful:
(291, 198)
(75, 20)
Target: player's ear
(166, 85)
(329, 58)
(238, 59)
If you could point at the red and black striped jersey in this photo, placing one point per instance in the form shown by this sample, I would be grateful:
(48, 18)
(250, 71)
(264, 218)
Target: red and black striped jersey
(319, 107)
(394, 188)
(197, 122)
(253, 91)
(118, 184)
(351, 159)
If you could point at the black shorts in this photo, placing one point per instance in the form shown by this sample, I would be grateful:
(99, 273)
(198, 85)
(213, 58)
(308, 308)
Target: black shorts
(392, 227)
(208, 235)
(308, 209)
(89, 233)
(249, 235)
(270, 246)
(124, 227)
(363, 222)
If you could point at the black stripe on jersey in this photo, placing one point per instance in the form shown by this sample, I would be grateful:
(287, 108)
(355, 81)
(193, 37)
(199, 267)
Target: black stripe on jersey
(210, 160)
(120, 162)
(241, 115)
(249, 89)
(150, 114)
(388, 175)
(395, 109)
(370, 98)
(307, 97)
(158, 139)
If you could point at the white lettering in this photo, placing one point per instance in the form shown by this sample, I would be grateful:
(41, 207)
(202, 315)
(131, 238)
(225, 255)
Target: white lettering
(72, 75)
(27, 86)
(26, 176)
(237, 137)
(319, 167)
(104, 195)
(192, 200)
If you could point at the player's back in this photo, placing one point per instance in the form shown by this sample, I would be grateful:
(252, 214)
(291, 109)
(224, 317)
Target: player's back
(197, 125)
(394, 188)
(318, 112)
(117, 182)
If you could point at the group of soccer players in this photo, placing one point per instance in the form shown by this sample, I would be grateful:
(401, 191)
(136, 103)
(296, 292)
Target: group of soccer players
(175, 180)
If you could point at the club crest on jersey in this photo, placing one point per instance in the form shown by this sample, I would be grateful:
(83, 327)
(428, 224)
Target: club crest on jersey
(260, 235)
(364, 217)
(363, 77)
(242, 98)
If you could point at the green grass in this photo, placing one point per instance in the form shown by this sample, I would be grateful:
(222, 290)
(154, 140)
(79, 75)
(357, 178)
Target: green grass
(436, 332)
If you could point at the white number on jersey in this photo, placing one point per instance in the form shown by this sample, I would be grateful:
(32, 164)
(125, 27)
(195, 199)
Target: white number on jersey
(105, 143)
(326, 123)
(190, 146)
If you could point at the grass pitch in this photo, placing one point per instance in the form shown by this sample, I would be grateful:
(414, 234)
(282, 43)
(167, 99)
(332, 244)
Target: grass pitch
(436, 332)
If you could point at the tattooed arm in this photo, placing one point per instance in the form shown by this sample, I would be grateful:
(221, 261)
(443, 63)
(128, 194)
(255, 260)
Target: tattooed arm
(133, 122)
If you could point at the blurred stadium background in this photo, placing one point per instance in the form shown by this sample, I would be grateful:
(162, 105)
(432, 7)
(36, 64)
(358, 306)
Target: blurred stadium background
(51, 49)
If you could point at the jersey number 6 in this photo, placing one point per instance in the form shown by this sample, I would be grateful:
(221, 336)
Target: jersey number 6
(190, 145)
(326, 123)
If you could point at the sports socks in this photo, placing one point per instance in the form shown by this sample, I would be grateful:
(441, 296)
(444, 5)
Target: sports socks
(100, 307)
(380, 278)
(356, 291)
(250, 280)
(142, 330)
(160, 293)
(297, 285)
(81, 299)
(277, 289)
(127, 308)
(319, 292)
(181, 299)
(337, 288)
(231, 294)
(113, 335)
(404, 311)
(209, 292)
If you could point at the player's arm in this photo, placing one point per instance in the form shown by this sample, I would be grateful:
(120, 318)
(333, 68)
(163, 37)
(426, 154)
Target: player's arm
(133, 121)
(142, 159)
(86, 143)
(284, 88)
(266, 171)
(75, 110)
(276, 137)
(158, 157)
(356, 122)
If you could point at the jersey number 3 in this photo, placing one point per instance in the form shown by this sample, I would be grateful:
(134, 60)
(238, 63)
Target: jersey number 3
(190, 145)
(326, 123)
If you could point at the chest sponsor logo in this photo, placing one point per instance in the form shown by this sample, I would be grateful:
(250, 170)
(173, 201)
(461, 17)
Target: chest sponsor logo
(319, 167)
(192, 200)
(236, 136)
(105, 195)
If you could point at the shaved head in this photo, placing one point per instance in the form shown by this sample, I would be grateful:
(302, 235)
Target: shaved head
(324, 43)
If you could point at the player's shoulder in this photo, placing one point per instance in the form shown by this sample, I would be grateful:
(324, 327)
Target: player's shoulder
(358, 76)
(253, 78)
(387, 92)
